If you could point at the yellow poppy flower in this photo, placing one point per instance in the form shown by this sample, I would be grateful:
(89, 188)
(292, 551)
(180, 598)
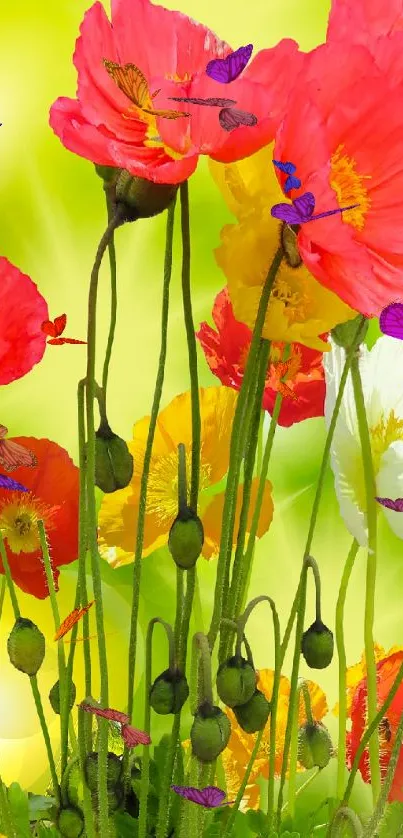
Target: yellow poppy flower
(300, 308)
(118, 513)
(237, 754)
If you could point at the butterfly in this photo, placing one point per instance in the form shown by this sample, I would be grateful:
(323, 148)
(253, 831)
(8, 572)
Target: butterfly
(300, 211)
(212, 101)
(131, 735)
(231, 118)
(133, 83)
(210, 796)
(228, 69)
(288, 169)
(55, 328)
(71, 620)
(396, 505)
(12, 454)
(13, 485)
(391, 320)
(281, 369)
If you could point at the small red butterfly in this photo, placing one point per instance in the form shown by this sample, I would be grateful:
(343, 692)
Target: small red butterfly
(131, 735)
(54, 328)
(71, 620)
(12, 454)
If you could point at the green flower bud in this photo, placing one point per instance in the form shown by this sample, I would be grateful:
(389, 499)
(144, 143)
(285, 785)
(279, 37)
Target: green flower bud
(169, 692)
(113, 460)
(108, 174)
(210, 732)
(26, 646)
(113, 770)
(72, 784)
(314, 745)
(70, 823)
(344, 333)
(54, 697)
(186, 539)
(317, 645)
(253, 715)
(115, 797)
(236, 681)
(142, 198)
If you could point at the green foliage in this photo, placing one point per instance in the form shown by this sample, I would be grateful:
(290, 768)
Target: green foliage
(39, 806)
(392, 821)
(126, 826)
(18, 800)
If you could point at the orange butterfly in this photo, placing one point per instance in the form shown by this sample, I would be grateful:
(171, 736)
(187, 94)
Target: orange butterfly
(282, 368)
(71, 620)
(12, 454)
(55, 328)
(132, 82)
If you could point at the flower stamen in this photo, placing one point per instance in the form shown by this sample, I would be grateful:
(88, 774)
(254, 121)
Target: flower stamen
(349, 188)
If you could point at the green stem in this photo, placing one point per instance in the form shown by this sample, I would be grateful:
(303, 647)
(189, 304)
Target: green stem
(322, 474)
(81, 591)
(259, 450)
(302, 788)
(307, 702)
(237, 447)
(370, 491)
(292, 792)
(198, 608)
(200, 641)
(9, 579)
(371, 828)
(186, 614)
(179, 607)
(182, 483)
(92, 521)
(112, 323)
(82, 751)
(2, 594)
(341, 650)
(192, 349)
(348, 815)
(165, 791)
(234, 809)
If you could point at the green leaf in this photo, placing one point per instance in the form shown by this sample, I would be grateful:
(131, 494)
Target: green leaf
(257, 821)
(38, 806)
(126, 826)
(392, 821)
(18, 800)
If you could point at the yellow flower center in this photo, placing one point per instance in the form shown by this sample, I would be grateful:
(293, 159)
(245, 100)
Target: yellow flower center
(19, 522)
(387, 430)
(162, 492)
(349, 187)
(298, 302)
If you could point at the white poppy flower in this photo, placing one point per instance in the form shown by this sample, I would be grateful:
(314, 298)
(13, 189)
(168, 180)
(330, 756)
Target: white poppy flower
(381, 371)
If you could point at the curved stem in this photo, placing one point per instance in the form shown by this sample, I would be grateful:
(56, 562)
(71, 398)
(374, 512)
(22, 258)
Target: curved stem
(310, 561)
(292, 793)
(9, 578)
(370, 491)
(237, 447)
(346, 814)
(322, 473)
(341, 650)
(307, 702)
(371, 829)
(112, 323)
(192, 349)
(234, 810)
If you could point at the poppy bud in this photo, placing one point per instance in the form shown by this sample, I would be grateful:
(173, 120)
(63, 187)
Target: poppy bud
(108, 173)
(142, 198)
(186, 539)
(169, 692)
(317, 645)
(72, 784)
(54, 697)
(314, 745)
(345, 333)
(236, 681)
(253, 715)
(115, 796)
(113, 460)
(26, 646)
(113, 770)
(70, 823)
(210, 732)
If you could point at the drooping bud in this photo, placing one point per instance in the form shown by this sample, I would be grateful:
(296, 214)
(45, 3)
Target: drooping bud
(345, 333)
(317, 645)
(210, 732)
(169, 692)
(113, 770)
(26, 646)
(253, 715)
(113, 460)
(314, 745)
(54, 697)
(142, 198)
(236, 681)
(186, 538)
(70, 823)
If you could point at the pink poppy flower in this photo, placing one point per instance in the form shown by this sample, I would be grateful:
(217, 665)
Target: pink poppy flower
(22, 310)
(172, 51)
(343, 131)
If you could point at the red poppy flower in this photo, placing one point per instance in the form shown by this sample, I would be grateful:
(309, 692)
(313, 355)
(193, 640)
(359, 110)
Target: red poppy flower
(226, 352)
(360, 21)
(22, 310)
(387, 669)
(171, 51)
(53, 497)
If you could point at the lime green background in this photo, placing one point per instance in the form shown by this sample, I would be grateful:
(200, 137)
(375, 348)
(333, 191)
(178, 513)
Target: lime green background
(52, 217)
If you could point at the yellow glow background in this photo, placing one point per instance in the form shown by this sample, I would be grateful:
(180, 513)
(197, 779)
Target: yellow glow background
(52, 217)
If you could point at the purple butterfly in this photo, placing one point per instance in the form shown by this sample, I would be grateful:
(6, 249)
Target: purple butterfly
(391, 321)
(212, 101)
(301, 210)
(8, 483)
(228, 69)
(231, 118)
(289, 169)
(210, 796)
(396, 505)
